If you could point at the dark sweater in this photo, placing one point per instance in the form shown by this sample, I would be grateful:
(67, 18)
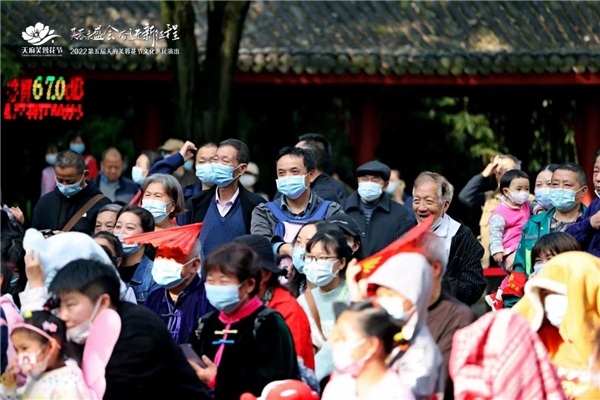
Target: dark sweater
(248, 365)
(218, 230)
(465, 273)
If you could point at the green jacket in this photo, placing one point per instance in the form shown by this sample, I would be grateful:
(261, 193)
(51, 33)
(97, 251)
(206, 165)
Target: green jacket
(536, 227)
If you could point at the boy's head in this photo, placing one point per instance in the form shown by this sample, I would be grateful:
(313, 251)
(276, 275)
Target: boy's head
(84, 288)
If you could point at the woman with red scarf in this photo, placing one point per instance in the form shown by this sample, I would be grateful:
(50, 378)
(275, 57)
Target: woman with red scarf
(244, 345)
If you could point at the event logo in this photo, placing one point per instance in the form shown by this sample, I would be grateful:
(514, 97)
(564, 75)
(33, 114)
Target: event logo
(39, 34)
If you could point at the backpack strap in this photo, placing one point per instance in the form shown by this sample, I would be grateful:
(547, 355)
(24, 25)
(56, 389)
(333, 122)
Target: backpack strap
(277, 211)
(86, 207)
(201, 323)
(260, 317)
(321, 211)
(314, 311)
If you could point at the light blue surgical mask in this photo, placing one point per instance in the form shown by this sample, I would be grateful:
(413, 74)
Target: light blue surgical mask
(78, 148)
(369, 191)
(137, 175)
(563, 199)
(298, 254)
(189, 164)
(51, 159)
(319, 273)
(291, 186)
(223, 297)
(157, 208)
(167, 273)
(128, 249)
(542, 197)
(223, 174)
(538, 268)
(205, 174)
(70, 190)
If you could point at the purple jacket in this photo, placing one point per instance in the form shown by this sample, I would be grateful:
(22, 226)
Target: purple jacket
(181, 317)
(585, 233)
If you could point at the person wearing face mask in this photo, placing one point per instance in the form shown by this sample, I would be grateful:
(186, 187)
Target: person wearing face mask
(163, 198)
(569, 186)
(40, 343)
(144, 355)
(327, 254)
(74, 203)
(397, 191)
(549, 246)
(250, 180)
(587, 231)
(182, 301)
(183, 159)
(112, 246)
(402, 287)
(561, 304)
(141, 170)
(298, 283)
(136, 268)
(77, 145)
(226, 207)
(181, 162)
(464, 279)
(506, 224)
(361, 340)
(111, 181)
(240, 357)
(379, 218)
(48, 175)
(543, 182)
(351, 230)
(281, 219)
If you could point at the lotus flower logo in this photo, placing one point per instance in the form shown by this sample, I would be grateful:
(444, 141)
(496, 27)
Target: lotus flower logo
(39, 34)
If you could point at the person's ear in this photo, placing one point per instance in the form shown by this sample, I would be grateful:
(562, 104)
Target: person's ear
(584, 191)
(196, 265)
(86, 173)
(446, 206)
(385, 185)
(355, 246)
(312, 176)
(242, 169)
(104, 302)
(119, 261)
(266, 275)
(437, 268)
(342, 264)
(249, 286)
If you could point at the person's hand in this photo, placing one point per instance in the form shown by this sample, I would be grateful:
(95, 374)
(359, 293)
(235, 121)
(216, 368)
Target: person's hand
(10, 375)
(204, 374)
(18, 214)
(57, 232)
(285, 250)
(33, 270)
(498, 257)
(187, 150)
(595, 220)
(491, 167)
(356, 287)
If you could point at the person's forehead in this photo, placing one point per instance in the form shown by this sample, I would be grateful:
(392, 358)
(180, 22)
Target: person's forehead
(112, 159)
(155, 187)
(129, 218)
(227, 151)
(428, 187)
(289, 161)
(72, 295)
(142, 159)
(107, 214)
(564, 175)
(544, 176)
(507, 163)
(69, 171)
(207, 152)
(520, 181)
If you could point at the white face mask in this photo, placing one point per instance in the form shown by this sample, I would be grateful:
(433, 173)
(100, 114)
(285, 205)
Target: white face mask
(555, 306)
(80, 333)
(29, 364)
(247, 180)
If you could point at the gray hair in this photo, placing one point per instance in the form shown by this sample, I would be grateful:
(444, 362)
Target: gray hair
(70, 159)
(515, 160)
(434, 249)
(111, 207)
(446, 190)
(172, 189)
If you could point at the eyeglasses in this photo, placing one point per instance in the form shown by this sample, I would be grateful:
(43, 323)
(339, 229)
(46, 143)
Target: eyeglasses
(318, 260)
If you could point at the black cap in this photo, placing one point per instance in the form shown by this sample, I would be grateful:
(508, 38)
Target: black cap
(374, 168)
(261, 246)
(346, 223)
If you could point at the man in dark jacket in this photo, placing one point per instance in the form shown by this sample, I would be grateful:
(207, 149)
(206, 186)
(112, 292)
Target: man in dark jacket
(380, 219)
(226, 208)
(72, 193)
(111, 181)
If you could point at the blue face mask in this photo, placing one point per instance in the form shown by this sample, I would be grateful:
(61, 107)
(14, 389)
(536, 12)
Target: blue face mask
(369, 191)
(298, 254)
(205, 174)
(137, 175)
(563, 199)
(78, 148)
(69, 190)
(319, 273)
(223, 297)
(542, 197)
(189, 164)
(128, 249)
(292, 186)
(223, 174)
(167, 273)
(51, 159)
(157, 208)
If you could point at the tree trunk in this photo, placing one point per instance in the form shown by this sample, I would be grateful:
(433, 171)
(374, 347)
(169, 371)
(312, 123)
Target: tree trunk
(225, 27)
(186, 71)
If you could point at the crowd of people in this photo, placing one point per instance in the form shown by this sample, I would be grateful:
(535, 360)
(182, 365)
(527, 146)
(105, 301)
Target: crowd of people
(186, 280)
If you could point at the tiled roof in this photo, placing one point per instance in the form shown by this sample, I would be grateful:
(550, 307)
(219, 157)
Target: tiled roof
(375, 37)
